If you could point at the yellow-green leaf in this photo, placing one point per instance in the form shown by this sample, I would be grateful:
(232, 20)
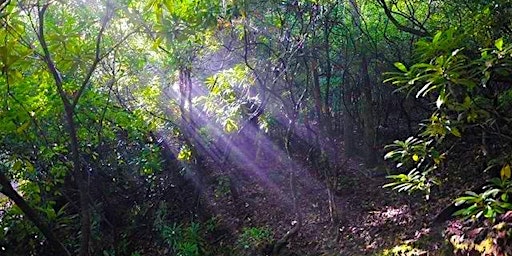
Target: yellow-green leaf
(499, 44)
(455, 132)
(505, 172)
(23, 127)
(17, 165)
(437, 37)
(185, 153)
(400, 66)
(485, 246)
(415, 157)
(230, 126)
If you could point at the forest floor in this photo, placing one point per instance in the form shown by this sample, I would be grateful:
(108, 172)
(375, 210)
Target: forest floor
(369, 220)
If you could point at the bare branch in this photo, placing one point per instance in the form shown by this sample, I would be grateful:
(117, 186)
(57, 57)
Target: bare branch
(387, 10)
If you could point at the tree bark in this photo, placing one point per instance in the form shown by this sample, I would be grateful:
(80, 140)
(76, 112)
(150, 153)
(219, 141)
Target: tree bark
(367, 114)
(189, 129)
(369, 129)
(317, 95)
(348, 124)
(328, 74)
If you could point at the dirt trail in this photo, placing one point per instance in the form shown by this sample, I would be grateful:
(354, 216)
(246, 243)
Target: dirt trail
(371, 218)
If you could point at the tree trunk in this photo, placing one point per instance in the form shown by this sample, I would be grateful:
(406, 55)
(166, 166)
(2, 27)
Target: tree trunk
(328, 73)
(189, 129)
(70, 103)
(317, 96)
(280, 243)
(367, 109)
(367, 114)
(348, 123)
(185, 86)
(81, 178)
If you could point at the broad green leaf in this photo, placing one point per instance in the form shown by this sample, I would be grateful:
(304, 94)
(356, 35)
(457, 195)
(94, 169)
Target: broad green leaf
(389, 155)
(400, 66)
(17, 165)
(467, 102)
(499, 44)
(437, 37)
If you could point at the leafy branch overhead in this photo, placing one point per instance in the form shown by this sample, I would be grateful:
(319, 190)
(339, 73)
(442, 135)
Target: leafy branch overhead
(458, 86)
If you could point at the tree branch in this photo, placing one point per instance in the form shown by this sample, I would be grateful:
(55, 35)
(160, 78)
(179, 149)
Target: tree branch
(97, 59)
(397, 24)
(48, 59)
(29, 211)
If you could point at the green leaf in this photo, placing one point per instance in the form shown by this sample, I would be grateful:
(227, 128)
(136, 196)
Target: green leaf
(492, 192)
(463, 211)
(441, 99)
(230, 126)
(185, 153)
(398, 176)
(471, 193)
(455, 132)
(23, 127)
(389, 155)
(499, 44)
(437, 37)
(17, 165)
(400, 66)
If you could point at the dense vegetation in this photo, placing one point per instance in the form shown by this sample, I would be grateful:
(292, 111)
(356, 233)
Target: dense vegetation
(195, 127)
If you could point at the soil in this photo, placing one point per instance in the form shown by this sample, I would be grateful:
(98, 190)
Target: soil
(369, 218)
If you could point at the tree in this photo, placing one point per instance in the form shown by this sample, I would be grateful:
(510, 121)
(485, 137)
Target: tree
(465, 78)
(57, 80)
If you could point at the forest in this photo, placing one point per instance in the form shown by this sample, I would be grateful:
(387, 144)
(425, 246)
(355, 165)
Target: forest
(255, 127)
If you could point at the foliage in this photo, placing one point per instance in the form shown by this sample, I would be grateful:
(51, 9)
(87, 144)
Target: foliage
(253, 238)
(183, 27)
(17, 231)
(490, 203)
(223, 186)
(405, 249)
(182, 240)
(35, 150)
(92, 106)
(485, 239)
(465, 79)
(458, 84)
(229, 90)
(416, 156)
